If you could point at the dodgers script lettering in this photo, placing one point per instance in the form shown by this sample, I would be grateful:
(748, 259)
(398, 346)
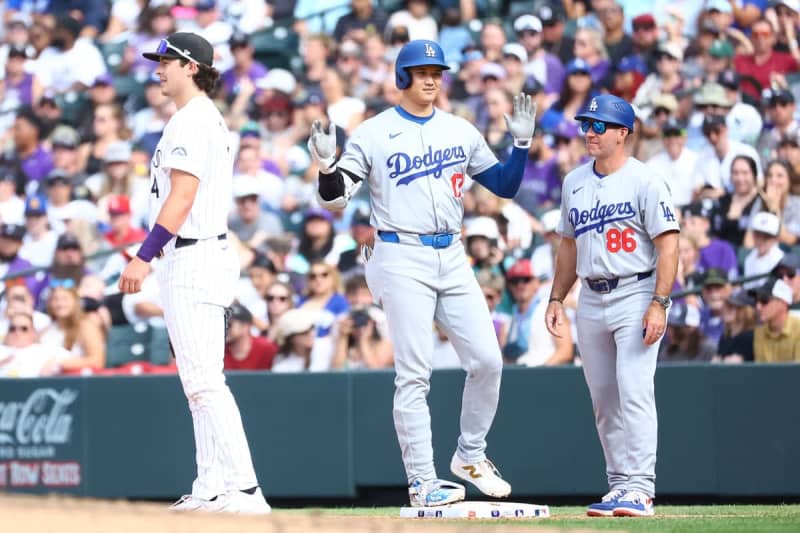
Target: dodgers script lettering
(433, 162)
(598, 216)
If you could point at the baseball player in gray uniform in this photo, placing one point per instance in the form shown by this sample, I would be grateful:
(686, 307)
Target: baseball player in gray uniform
(192, 175)
(414, 158)
(620, 237)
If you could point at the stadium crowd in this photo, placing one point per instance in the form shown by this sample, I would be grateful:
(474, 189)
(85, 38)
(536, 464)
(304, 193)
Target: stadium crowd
(714, 84)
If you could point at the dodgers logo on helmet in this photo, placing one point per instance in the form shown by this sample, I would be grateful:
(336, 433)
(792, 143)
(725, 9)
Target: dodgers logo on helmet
(418, 53)
(609, 108)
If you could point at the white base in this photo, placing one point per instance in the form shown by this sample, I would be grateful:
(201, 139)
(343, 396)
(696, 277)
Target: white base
(478, 510)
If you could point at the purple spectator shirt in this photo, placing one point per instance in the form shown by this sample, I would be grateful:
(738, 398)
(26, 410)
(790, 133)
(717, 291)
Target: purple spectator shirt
(18, 264)
(230, 78)
(719, 254)
(711, 326)
(37, 165)
(600, 70)
(23, 90)
(540, 184)
(555, 74)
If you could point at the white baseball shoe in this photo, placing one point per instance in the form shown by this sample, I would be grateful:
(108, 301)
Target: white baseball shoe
(238, 502)
(606, 505)
(434, 492)
(193, 503)
(483, 475)
(634, 503)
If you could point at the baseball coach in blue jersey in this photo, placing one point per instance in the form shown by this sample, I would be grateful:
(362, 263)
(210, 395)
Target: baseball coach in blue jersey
(620, 238)
(414, 159)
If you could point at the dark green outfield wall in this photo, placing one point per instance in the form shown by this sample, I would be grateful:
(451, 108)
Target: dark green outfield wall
(732, 431)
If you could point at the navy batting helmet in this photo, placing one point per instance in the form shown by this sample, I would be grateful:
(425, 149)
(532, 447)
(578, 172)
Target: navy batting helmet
(608, 108)
(418, 53)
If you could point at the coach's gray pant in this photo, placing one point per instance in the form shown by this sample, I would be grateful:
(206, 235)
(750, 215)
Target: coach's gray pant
(619, 369)
(416, 285)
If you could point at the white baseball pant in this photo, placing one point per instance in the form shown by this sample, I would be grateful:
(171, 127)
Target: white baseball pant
(197, 283)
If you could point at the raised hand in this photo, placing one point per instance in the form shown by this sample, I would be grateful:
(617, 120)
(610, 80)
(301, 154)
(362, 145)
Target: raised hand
(523, 121)
(322, 145)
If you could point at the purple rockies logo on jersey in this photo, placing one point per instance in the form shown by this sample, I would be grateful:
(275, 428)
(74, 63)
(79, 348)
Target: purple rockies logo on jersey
(597, 217)
(408, 168)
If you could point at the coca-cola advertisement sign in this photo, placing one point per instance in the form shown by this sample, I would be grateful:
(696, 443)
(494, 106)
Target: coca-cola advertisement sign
(38, 438)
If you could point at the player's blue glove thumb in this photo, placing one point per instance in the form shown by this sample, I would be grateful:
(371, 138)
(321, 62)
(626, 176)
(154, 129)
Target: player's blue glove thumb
(523, 122)
(322, 145)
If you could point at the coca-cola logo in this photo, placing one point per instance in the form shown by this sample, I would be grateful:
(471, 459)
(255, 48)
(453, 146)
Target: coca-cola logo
(41, 419)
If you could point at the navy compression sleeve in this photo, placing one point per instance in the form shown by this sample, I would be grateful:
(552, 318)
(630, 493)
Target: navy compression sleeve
(504, 179)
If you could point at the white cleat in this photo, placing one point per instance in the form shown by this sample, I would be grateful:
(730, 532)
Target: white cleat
(634, 503)
(238, 502)
(189, 503)
(435, 492)
(483, 475)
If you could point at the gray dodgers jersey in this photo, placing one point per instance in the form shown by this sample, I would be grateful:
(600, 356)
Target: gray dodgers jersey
(614, 219)
(415, 172)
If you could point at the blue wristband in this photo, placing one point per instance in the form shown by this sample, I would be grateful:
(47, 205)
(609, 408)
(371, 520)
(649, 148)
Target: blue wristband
(158, 237)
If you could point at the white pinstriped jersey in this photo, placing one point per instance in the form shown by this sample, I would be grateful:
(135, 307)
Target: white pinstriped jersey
(196, 141)
(613, 219)
(415, 172)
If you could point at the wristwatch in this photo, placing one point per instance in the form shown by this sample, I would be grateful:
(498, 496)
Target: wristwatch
(664, 301)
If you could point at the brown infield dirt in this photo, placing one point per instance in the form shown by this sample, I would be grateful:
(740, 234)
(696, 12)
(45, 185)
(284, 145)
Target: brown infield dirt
(58, 514)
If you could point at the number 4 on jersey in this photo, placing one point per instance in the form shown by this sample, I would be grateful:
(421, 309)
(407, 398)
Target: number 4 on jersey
(154, 188)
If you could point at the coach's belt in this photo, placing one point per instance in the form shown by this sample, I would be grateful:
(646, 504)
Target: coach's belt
(608, 285)
(180, 242)
(434, 240)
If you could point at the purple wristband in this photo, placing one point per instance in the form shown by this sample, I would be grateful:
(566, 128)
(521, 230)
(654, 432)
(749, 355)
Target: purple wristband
(158, 237)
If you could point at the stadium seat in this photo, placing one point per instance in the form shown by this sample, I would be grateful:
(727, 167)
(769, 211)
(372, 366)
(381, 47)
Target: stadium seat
(517, 9)
(129, 87)
(127, 344)
(112, 54)
(741, 254)
(71, 105)
(390, 6)
(275, 46)
(160, 353)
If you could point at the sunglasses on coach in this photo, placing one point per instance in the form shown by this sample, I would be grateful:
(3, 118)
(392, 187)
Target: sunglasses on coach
(598, 126)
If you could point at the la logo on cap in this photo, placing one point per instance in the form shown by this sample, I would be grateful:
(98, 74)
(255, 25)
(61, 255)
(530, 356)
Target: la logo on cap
(429, 51)
(593, 105)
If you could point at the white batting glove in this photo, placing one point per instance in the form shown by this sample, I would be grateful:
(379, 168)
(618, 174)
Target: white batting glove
(522, 124)
(322, 146)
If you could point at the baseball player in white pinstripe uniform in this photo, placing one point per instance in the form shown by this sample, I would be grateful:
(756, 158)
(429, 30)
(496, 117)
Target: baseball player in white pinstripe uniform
(414, 159)
(620, 237)
(192, 173)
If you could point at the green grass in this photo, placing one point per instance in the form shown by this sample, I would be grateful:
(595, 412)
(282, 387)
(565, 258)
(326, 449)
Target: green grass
(701, 518)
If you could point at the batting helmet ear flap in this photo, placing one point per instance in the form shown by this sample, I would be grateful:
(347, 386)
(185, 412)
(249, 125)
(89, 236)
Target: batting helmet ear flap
(402, 78)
